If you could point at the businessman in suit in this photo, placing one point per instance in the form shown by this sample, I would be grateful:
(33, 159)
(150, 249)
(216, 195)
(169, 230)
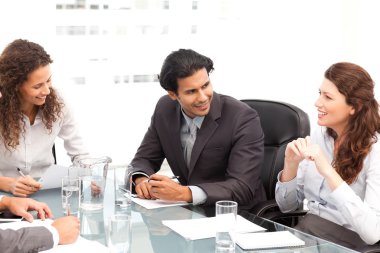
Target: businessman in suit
(212, 142)
(64, 230)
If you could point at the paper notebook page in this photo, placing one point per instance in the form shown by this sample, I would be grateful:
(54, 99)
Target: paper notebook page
(52, 178)
(194, 229)
(157, 203)
(80, 245)
(267, 240)
(21, 224)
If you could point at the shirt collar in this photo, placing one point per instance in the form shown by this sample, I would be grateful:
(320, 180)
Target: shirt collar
(198, 120)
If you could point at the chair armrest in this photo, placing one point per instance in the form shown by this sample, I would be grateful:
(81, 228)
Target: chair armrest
(369, 248)
(263, 207)
(280, 215)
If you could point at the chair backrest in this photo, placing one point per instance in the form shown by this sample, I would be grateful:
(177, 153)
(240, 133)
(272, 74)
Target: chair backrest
(281, 123)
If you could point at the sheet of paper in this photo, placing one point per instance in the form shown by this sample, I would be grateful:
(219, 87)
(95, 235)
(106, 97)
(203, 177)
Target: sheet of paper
(157, 203)
(6, 220)
(267, 240)
(52, 177)
(81, 244)
(194, 229)
(20, 224)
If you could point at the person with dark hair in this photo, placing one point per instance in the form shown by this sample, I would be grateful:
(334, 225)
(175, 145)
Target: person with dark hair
(213, 143)
(32, 115)
(64, 230)
(337, 170)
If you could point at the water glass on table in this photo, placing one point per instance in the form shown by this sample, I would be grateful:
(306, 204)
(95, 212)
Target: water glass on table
(225, 212)
(119, 233)
(123, 185)
(70, 193)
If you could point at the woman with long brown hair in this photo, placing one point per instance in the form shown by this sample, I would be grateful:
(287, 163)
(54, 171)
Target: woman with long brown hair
(337, 169)
(32, 115)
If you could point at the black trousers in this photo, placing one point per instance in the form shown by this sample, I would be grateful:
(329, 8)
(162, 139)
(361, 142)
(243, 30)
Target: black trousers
(330, 231)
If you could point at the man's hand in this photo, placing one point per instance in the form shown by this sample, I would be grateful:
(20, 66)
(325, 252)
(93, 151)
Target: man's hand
(142, 188)
(68, 228)
(21, 206)
(163, 187)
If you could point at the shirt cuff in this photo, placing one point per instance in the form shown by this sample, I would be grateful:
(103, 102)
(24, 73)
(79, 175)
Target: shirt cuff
(138, 173)
(55, 235)
(284, 187)
(199, 195)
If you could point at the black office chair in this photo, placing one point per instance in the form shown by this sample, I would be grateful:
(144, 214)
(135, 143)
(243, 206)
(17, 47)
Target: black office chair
(281, 123)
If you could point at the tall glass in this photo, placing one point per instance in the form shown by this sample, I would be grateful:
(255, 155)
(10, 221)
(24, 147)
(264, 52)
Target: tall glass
(225, 212)
(119, 233)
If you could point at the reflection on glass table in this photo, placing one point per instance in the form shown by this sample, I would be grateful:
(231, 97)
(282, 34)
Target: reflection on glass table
(150, 235)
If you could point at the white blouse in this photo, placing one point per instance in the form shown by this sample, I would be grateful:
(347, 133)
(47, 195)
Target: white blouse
(34, 153)
(355, 206)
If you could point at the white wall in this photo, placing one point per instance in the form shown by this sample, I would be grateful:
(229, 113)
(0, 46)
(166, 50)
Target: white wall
(270, 49)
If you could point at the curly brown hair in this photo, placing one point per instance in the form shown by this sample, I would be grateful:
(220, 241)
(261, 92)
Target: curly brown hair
(17, 61)
(357, 86)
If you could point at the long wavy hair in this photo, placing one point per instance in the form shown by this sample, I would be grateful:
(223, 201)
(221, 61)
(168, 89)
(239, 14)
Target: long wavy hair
(18, 60)
(358, 88)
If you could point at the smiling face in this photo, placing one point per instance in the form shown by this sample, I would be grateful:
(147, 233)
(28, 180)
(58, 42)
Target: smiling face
(34, 90)
(194, 94)
(333, 110)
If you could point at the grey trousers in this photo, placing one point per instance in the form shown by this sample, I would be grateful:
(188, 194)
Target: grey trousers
(330, 231)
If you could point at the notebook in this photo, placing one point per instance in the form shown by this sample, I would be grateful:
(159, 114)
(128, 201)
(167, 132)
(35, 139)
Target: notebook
(194, 229)
(266, 240)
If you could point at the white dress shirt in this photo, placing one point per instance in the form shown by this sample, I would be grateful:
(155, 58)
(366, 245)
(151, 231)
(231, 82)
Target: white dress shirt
(355, 206)
(34, 153)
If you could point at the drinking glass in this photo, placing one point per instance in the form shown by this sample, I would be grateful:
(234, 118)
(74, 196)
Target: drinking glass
(123, 186)
(70, 195)
(225, 212)
(119, 233)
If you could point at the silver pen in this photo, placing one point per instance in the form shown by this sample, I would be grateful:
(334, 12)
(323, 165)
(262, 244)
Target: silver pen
(20, 172)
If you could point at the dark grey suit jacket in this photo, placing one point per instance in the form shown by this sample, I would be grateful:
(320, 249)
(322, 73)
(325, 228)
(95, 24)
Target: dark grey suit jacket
(227, 155)
(30, 239)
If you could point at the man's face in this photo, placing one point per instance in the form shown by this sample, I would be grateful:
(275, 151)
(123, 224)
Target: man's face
(194, 94)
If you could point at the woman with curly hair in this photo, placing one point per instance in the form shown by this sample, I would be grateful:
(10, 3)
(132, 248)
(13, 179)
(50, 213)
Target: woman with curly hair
(32, 115)
(338, 169)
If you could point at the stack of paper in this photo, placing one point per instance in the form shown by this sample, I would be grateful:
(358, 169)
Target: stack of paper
(268, 240)
(157, 203)
(194, 229)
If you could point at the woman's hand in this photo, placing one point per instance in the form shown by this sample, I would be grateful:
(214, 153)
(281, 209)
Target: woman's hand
(24, 186)
(294, 154)
(314, 153)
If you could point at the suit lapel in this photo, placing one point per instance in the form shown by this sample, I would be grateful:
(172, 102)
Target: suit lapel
(176, 141)
(207, 129)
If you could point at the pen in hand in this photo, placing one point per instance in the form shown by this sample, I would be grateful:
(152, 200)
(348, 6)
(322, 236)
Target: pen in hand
(23, 175)
(20, 172)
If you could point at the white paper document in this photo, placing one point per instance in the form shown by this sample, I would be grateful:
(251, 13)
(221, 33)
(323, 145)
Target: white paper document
(267, 240)
(52, 178)
(157, 203)
(194, 229)
(81, 244)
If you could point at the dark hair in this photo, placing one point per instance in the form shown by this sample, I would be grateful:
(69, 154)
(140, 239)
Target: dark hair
(180, 64)
(357, 86)
(17, 61)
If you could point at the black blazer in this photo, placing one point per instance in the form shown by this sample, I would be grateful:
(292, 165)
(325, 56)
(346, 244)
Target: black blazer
(227, 155)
